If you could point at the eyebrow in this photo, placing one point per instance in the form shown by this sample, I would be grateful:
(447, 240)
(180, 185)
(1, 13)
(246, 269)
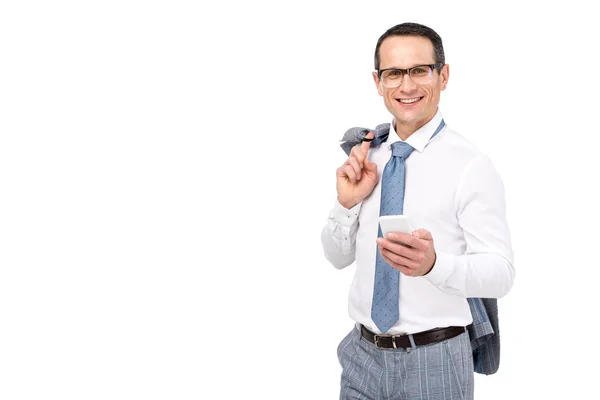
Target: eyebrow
(415, 65)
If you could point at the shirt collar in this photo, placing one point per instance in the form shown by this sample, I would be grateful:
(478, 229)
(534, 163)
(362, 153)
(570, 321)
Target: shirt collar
(419, 139)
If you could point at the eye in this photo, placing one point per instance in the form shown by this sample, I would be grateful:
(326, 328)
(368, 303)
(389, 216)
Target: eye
(392, 74)
(420, 71)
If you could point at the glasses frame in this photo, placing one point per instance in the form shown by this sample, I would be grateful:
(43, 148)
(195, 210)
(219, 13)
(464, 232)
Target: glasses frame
(406, 71)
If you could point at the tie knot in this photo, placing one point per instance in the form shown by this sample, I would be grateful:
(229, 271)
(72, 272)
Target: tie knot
(401, 149)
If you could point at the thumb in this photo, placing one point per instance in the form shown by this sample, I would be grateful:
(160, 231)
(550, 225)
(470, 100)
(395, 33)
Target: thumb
(422, 234)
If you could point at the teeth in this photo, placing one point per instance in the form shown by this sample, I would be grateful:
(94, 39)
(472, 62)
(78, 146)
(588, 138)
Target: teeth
(408, 101)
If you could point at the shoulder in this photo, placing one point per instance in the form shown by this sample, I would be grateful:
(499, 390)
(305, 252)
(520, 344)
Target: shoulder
(452, 140)
(458, 154)
(456, 148)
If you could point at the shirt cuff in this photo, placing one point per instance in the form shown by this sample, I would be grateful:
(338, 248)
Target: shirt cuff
(442, 269)
(344, 216)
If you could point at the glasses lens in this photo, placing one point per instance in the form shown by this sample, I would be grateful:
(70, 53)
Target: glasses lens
(421, 74)
(391, 78)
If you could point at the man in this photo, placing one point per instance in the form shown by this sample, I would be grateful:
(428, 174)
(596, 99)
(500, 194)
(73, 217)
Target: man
(409, 294)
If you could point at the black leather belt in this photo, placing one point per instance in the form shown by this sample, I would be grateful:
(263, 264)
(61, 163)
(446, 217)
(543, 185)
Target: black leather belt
(402, 341)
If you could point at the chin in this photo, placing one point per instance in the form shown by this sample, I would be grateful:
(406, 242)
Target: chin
(407, 119)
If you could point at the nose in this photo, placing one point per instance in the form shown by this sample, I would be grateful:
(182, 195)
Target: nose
(407, 83)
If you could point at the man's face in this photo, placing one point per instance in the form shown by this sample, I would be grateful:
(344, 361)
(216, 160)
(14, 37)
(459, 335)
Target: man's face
(406, 52)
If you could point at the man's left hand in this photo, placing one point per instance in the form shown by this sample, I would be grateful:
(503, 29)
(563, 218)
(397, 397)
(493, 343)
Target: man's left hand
(415, 260)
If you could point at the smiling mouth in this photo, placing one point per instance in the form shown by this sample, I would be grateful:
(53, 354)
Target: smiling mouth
(409, 101)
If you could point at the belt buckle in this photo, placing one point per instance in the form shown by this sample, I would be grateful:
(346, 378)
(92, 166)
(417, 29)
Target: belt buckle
(376, 340)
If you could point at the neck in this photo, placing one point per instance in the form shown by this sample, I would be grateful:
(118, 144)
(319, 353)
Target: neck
(404, 130)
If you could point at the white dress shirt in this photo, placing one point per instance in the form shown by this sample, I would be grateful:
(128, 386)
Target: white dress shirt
(453, 191)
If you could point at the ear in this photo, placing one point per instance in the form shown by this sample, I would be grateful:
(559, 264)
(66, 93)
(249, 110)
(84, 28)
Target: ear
(377, 83)
(445, 74)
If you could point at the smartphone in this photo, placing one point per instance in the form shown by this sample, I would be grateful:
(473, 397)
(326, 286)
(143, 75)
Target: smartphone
(396, 223)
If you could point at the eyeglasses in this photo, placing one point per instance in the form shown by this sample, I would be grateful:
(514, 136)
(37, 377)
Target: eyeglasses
(419, 74)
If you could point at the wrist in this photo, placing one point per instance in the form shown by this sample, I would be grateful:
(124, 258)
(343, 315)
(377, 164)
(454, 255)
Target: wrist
(347, 204)
(432, 264)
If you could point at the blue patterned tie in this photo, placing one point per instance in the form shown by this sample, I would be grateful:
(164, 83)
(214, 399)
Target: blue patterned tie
(384, 311)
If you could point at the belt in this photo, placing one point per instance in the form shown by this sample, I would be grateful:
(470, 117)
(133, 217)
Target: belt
(403, 341)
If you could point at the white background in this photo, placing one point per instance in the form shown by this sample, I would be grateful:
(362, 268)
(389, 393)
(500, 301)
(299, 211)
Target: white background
(166, 169)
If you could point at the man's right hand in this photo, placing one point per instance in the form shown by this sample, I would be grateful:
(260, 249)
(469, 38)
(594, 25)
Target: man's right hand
(357, 177)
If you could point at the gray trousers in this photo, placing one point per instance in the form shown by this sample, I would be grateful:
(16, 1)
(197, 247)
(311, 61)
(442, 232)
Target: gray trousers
(438, 371)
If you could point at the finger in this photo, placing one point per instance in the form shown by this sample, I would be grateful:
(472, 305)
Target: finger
(409, 240)
(354, 164)
(407, 252)
(364, 146)
(389, 258)
(348, 171)
(370, 166)
(407, 271)
(403, 269)
(400, 237)
(358, 154)
(397, 258)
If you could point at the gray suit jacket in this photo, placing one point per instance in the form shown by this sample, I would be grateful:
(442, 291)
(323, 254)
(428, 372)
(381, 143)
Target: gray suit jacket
(485, 335)
(484, 331)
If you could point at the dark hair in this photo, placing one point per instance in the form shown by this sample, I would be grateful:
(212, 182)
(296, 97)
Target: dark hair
(413, 29)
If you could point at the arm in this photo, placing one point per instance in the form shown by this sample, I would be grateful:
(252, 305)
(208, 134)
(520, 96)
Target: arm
(355, 179)
(339, 235)
(486, 269)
